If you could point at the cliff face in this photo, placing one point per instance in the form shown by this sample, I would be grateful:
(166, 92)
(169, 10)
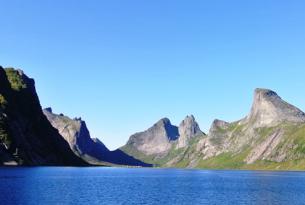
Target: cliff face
(75, 132)
(93, 151)
(162, 139)
(157, 140)
(269, 109)
(26, 136)
(271, 136)
(188, 129)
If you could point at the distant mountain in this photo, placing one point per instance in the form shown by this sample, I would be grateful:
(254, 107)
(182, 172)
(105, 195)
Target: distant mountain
(156, 140)
(188, 129)
(162, 140)
(26, 136)
(271, 136)
(93, 151)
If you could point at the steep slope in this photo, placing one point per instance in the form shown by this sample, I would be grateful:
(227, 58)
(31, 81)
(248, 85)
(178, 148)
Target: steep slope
(26, 136)
(271, 137)
(163, 141)
(269, 109)
(156, 140)
(188, 129)
(93, 151)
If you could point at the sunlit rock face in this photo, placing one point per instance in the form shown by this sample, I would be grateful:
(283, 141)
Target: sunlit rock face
(188, 129)
(269, 109)
(75, 132)
(92, 150)
(155, 140)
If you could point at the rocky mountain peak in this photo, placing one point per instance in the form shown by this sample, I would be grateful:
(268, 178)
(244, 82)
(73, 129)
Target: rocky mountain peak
(261, 93)
(165, 127)
(163, 122)
(28, 136)
(188, 129)
(48, 109)
(157, 139)
(218, 125)
(269, 109)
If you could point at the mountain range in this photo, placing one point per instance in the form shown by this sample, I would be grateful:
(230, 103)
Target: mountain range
(271, 136)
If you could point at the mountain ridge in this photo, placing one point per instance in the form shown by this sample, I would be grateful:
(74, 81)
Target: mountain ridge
(91, 150)
(270, 135)
(26, 137)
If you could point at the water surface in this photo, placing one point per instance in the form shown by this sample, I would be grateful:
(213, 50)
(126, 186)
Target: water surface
(117, 186)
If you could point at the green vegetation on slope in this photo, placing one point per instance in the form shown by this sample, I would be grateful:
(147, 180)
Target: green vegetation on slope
(15, 79)
(292, 146)
(224, 161)
(4, 134)
(128, 149)
(180, 155)
(3, 101)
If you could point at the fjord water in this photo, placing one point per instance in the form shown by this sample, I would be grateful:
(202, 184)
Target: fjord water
(62, 185)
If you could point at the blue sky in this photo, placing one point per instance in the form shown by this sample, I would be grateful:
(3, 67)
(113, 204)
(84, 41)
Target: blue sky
(123, 65)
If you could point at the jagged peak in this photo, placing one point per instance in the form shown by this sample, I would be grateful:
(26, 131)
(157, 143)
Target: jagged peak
(189, 117)
(268, 108)
(188, 121)
(265, 94)
(218, 124)
(19, 80)
(264, 91)
(188, 129)
(163, 121)
(48, 109)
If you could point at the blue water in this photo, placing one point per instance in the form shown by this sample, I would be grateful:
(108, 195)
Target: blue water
(148, 186)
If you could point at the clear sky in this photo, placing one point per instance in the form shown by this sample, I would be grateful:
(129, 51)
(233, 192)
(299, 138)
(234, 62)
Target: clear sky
(123, 65)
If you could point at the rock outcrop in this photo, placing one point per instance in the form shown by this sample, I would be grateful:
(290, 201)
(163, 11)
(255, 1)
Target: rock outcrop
(162, 139)
(188, 129)
(271, 136)
(26, 136)
(157, 140)
(269, 109)
(75, 132)
(92, 150)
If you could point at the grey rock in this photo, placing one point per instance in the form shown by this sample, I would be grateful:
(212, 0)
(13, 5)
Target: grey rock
(269, 109)
(75, 132)
(157, 139)
(188, 129)
(218, 125)
(268, 133)
(92, 150)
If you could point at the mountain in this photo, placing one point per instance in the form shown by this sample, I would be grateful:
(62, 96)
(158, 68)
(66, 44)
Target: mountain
(188, 129)
(26, 136)
(156, 140)
(269, 109)
(93, 151)
(162, 140)
(271, 136)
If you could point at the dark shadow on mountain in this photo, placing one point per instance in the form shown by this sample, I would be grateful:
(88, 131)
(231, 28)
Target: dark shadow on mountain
(121, 158)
